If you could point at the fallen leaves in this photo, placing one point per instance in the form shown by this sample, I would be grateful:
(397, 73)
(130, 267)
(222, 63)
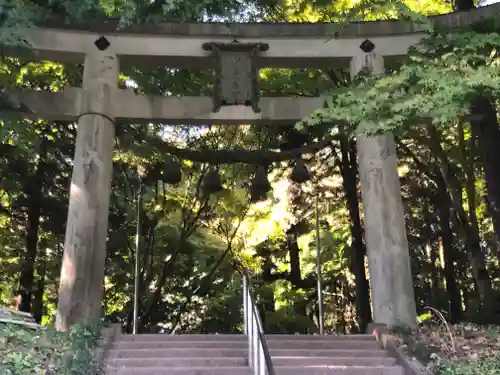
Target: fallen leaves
(456, 345)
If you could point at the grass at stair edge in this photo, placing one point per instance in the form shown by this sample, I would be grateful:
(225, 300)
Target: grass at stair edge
(45, 351)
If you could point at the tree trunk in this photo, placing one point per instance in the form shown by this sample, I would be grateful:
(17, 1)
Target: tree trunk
(487, 132)
(267, 291)
(446, 178)
(449, 252)
(33, 190)
(430, 247)
(26, 279)
(467, 154)
(435, 274)
(295, 272)
(349, 170)
(37, 307)
(294, 253)
(472, 241)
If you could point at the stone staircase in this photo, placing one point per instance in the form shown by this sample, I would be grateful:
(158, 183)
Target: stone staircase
(161, 354)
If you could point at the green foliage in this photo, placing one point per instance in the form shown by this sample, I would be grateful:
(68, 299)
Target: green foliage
(485, 366)
(443, 74)
(46, 351)
(285, 320)
(13, 19)
(16, 16)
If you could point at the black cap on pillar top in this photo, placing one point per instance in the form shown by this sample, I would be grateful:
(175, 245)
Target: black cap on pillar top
(102, 43)
(367, 46)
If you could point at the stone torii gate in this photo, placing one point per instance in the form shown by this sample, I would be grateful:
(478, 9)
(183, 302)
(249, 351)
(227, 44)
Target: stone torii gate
(99, 103)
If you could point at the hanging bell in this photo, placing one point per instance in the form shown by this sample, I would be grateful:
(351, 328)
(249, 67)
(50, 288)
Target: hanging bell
(257, 196)
(212, 182)
(300, 174)
(260, 186)
(261, 182)
(171, 173)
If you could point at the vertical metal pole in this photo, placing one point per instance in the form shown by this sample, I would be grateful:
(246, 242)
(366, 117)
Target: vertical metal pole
(255, 341)
(251, 331)
(262, 360)
(245, 305)
(137, 270)
(318, 274)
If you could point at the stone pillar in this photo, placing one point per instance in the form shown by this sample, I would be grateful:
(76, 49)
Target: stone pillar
(393, 298)
(82, 273)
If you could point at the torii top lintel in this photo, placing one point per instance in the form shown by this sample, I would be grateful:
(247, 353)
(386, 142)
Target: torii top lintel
(290, 45)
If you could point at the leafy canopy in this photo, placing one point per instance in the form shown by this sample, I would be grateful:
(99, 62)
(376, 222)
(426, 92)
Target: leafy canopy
(443, 74)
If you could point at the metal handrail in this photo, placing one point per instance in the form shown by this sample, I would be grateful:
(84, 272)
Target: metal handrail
(259, 358)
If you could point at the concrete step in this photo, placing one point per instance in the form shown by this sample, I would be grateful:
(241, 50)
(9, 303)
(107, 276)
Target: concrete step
(183, 337)
(328, 353)
(178, 353)
(240, 337)
(323, 344)
(242, 361)
(360, 337)
(154, 344)
(272, 344)
(333, 361)
(280, 370)
(239, 352)
(179, 362)
(339, 370)
(179, 371)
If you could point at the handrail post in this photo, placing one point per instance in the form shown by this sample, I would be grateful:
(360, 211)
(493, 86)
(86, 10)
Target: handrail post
(137, 266)
(321, 315)
(245, 305)
(259, 358)
(262, 361)
(255, 341)
(251, 333)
